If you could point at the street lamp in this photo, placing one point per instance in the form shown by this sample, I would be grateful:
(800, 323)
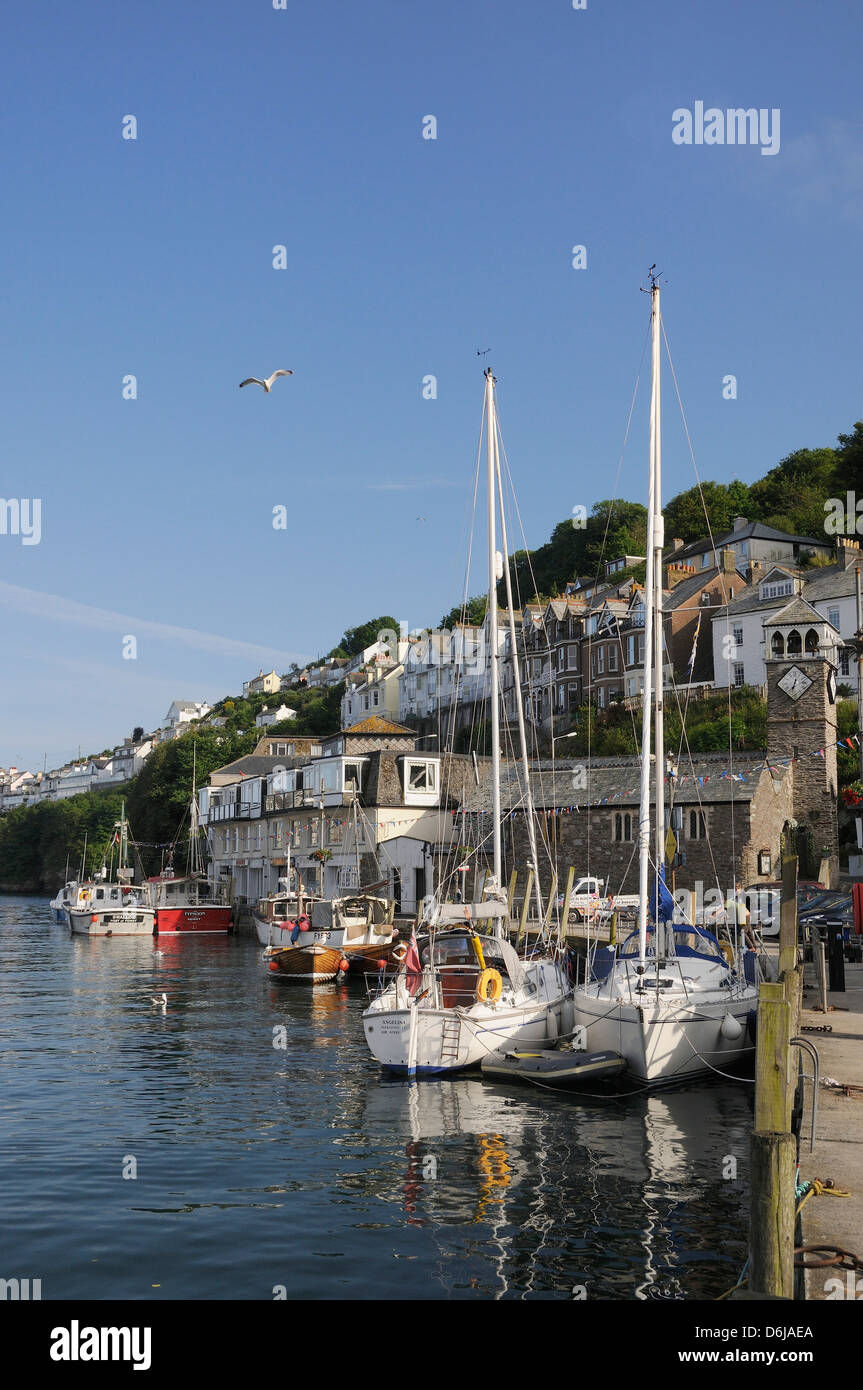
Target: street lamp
(558, 738)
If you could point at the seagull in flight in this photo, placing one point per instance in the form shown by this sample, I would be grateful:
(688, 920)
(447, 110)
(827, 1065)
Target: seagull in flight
(268, 384)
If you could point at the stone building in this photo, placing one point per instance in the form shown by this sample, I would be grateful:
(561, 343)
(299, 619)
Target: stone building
(732, 814)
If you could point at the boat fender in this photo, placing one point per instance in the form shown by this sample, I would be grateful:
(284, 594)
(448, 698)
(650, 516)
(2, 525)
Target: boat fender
(489, 986)
(272, 965)
(303, 923)
(400, 952)
(551, 1025)
(731, 1028)
(344, 965)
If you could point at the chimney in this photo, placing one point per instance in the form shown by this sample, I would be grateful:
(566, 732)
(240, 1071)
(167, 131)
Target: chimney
(848, 553)
(756, 572)
(740, 522)
(728, 565)
(675, 574)
(676, 544)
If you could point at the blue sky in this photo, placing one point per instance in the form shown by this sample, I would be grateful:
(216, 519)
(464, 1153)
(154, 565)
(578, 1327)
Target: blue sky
(260, 127)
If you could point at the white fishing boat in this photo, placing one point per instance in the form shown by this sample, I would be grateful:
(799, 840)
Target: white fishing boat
(114, 906)
(463, 991)
(670, 1000)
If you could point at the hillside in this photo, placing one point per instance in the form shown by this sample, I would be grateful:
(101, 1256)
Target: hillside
(791, 497)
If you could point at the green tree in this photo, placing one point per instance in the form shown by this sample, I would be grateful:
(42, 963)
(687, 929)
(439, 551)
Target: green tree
(356, 639)
(473, 611)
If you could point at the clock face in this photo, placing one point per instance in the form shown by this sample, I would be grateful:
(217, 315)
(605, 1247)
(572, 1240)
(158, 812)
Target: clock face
(795, 683)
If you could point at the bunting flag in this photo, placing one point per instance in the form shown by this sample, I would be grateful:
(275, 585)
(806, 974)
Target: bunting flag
(690, 666)
(721, 774)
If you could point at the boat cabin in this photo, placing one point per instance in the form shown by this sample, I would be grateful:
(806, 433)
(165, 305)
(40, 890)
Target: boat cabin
(354, 915)
(459, 958)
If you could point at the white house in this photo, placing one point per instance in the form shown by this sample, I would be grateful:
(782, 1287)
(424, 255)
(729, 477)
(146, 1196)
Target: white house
(183, 712)
(269, 716)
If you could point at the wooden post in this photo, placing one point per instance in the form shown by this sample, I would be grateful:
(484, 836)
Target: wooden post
(772, 1096)
(774, 1148)
(788, 915)
(525, 907)
(552, 895)
(564, 920)
(771, 1228)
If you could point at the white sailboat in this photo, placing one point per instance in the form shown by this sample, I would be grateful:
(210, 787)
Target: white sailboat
(668, 999)
(463, 992)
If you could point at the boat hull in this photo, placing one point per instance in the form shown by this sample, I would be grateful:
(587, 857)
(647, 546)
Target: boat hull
(126, 921)
(670, 1041)
(439, 1047)
(207, 918)
(319, 962)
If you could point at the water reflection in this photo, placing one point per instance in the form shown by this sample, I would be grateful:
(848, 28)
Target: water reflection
(612, 1194)
(271, 1150)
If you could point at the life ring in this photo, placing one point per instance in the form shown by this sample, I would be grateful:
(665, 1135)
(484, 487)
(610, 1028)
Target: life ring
(400, 948)
(489, 986)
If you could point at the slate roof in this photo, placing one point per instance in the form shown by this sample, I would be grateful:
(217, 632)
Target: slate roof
(754, 530)
(616, 781)
(252, 765)
(688, 588)
(796, 610)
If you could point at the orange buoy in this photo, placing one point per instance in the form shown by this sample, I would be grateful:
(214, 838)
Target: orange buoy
(344, 965)
(381, 964)
(273, 965)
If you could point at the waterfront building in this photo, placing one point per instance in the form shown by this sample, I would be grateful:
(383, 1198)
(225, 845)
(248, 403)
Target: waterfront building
(362, 807)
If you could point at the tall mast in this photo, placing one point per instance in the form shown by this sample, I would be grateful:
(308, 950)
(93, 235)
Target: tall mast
(656, 560)
(647, 689)
(519, 708)
(494, 703)
(122, 835)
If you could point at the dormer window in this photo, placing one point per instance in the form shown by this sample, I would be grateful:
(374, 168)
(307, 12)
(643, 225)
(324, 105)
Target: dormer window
(420, 776)
(779, 589)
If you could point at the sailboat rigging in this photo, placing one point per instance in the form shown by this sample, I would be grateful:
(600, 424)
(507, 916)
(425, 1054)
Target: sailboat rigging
(463, 990)
(668, 999)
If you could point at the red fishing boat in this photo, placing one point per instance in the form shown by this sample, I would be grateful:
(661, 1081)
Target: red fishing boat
(187, 904)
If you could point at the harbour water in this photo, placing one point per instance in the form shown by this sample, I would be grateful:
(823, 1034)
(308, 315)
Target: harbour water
(264, 1170)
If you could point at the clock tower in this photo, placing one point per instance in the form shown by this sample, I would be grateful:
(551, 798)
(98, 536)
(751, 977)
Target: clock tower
(800, 656)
